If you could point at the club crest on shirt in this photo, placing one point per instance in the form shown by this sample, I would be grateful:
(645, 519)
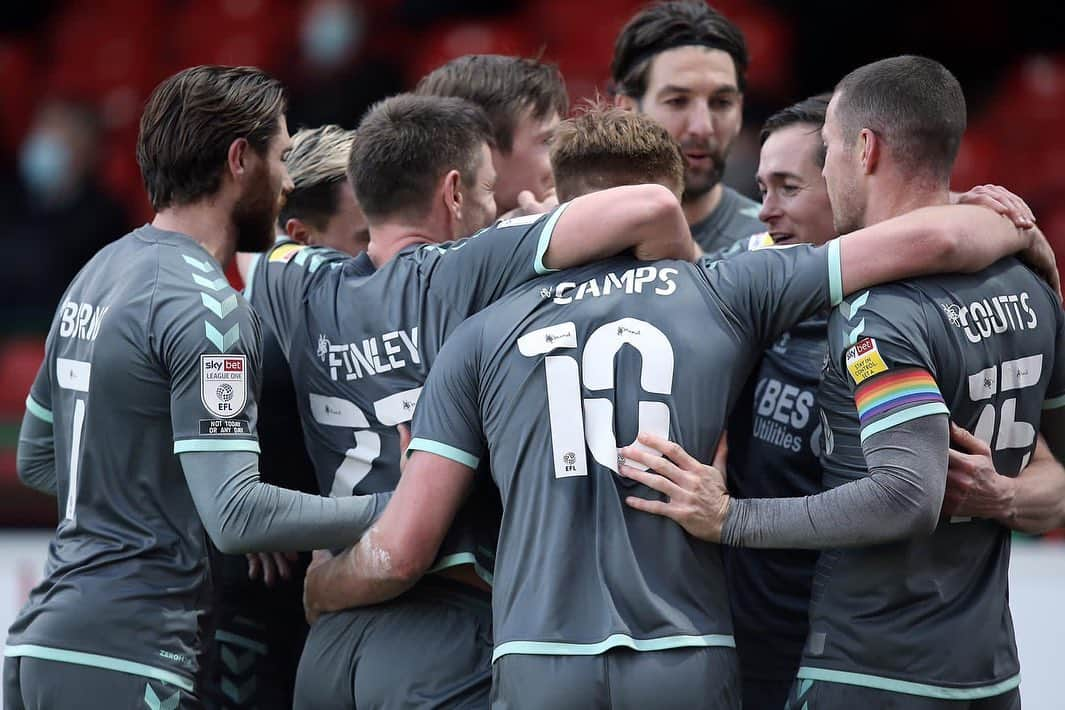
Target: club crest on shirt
(224, 384)
(864, 360)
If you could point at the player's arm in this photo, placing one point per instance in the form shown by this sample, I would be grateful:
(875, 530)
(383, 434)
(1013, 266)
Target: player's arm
(1033, 502)
(36, 449)
(242, 514)
(401, 546)
(646, 219)
(900, 498)
(936, 240)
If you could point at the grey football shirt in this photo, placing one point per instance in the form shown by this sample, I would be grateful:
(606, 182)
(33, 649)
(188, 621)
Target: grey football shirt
(151, 354)
(735, 218)
(551, 381)
(930, 615)
(361, 341)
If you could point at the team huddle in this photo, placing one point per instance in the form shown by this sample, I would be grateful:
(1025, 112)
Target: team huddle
(569, 423)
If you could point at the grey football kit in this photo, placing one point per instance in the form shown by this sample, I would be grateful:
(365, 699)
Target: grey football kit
(927, 617)
(734, 219)
(549, 383)
(774, 443)
(151, 356)
(360, 342)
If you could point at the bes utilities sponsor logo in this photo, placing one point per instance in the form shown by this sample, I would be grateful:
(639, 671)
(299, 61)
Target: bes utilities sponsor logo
(223, 384)
(992, 316)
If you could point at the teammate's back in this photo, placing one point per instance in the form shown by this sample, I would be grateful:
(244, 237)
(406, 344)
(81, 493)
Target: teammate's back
(991, 341)
(114, 348)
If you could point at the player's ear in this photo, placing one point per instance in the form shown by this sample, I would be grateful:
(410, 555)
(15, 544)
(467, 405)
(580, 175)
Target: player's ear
(453, 193)
(236, 157)
(297, 231)
(871, 145)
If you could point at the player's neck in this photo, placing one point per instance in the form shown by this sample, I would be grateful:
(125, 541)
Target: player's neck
(887, 203)
(699, 208)
(387, 240)
(206, 224)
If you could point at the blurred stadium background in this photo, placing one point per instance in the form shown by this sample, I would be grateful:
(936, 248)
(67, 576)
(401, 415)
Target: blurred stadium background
(74, 75)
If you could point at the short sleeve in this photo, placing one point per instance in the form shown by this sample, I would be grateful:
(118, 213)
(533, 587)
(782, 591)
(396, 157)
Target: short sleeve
(39, 400)
(880, 342)
(767, 291)
(1056, 392)
(209, 342)
(472, 273)
(279, 280)
(447, 421)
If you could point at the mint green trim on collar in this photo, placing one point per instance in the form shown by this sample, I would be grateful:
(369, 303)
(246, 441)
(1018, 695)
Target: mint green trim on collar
(97, 661)
(909, 687)
(549, 648)
(45, 415)
(545, 240)
(252, 266)
(1054, 403)
(188, 446)
(835, 274)
(461, 558)
(448, 452)
(922, 410)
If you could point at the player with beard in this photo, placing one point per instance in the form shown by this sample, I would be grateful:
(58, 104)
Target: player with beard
(589, 607)
(259, 630)
(361, 335)
(684, 65)
(910, 607)
(524, 99)
(142, 418)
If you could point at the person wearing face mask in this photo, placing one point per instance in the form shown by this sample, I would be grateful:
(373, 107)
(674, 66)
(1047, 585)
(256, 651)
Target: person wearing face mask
(63, 212)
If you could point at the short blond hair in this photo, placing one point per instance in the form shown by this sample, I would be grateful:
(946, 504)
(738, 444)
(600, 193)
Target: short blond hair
(317, 164)
(604, 146)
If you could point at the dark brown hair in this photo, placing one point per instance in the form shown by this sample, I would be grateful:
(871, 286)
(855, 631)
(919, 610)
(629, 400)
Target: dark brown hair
(914, 104)
(669, 25)
(809, 111)
(605, 146)
(505, 87)
(190, 121)
(406, 144)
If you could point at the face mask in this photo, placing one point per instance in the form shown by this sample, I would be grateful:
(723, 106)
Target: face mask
(44, 163)
(330, 34)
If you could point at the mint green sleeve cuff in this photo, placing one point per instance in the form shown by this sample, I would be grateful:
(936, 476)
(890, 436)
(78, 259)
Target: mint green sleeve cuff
(835, 273)
(448, 452)
(42, 413)
(188, 446)
(545, 240)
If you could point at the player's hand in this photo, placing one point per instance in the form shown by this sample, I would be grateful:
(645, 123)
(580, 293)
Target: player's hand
(404, 443)
(528, 204)
(310, 609)
(697, 497)
(974, 488)
(1040, 257)
(270, 566)
(1001, 201)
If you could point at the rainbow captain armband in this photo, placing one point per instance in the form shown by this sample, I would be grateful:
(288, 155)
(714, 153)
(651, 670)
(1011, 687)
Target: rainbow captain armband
(895, 397)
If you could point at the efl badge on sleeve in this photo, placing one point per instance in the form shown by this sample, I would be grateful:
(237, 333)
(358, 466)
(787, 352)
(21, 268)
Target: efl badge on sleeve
(864, 360)
(224, 384)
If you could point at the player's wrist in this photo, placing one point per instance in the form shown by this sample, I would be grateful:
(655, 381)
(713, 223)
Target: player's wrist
(1005, 500)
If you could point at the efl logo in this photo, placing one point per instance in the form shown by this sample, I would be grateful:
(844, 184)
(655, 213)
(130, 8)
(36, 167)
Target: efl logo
(234, 365)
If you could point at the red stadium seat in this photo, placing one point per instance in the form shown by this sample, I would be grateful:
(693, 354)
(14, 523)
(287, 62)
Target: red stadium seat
(237, 32)
(19, 361)
(17, 91)
(453, 40)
